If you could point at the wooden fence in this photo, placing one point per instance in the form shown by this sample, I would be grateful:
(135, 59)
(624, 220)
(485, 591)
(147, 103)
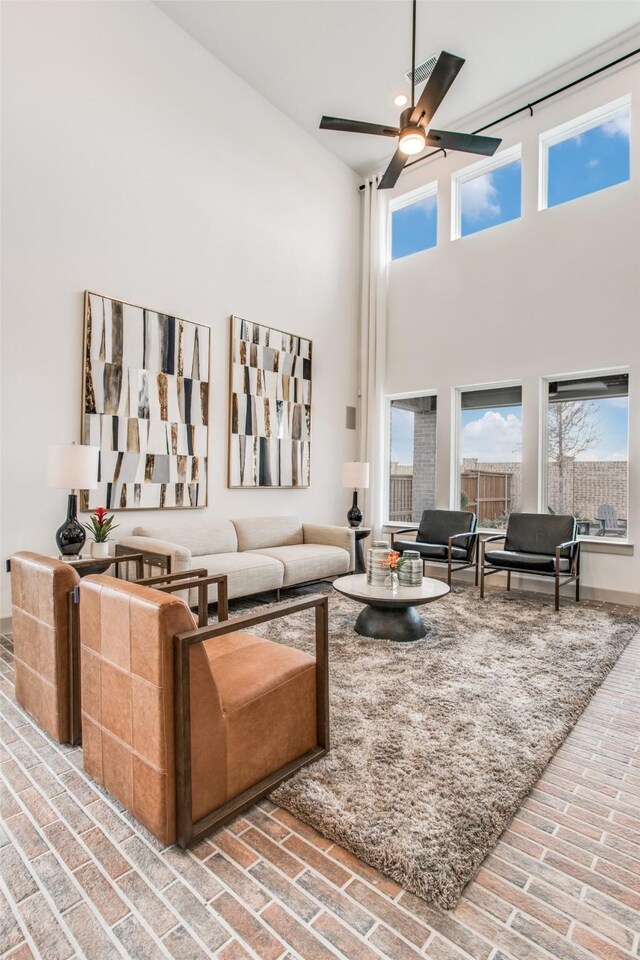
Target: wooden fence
(400, 497)
(488, 494)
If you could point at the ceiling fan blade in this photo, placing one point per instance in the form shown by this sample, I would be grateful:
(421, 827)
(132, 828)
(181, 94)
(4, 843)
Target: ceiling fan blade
(444, 73)
(358, 126)
(465, 142)
(393, 171)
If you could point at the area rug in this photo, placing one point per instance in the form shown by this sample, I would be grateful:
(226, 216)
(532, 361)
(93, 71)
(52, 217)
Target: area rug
(435, 744)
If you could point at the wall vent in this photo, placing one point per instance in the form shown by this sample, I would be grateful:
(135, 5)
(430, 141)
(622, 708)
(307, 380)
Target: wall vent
(423, 70)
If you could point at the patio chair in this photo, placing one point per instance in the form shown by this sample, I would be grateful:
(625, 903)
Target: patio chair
(444, 536)
(611, 525)
(536, 544)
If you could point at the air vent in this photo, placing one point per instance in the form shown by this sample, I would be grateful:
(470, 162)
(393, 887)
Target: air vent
(423, 70)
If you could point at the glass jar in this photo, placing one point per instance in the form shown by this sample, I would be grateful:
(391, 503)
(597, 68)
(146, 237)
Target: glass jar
(411, 569)
(376, 573)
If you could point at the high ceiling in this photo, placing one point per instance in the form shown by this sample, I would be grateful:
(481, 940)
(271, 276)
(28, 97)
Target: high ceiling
(347, 58)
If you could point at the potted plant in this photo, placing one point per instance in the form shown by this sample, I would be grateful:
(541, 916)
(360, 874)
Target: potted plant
(100, 526)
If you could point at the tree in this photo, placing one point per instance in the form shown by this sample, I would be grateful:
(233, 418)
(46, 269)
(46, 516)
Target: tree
(572, 430)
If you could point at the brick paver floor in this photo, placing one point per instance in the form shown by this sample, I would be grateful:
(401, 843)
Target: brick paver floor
(80, 878)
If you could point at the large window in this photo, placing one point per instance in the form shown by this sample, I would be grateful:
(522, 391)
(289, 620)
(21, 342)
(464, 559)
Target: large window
(412, 457)
(487, 193)
(587, 459)
(490, 453)
(585, 155)
(414, 222)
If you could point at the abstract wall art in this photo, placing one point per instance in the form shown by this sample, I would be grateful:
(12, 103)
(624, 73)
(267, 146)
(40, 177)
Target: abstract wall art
(145, 406)
(270, 407)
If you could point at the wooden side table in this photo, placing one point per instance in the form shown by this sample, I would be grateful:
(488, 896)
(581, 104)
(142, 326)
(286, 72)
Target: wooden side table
(361, 534)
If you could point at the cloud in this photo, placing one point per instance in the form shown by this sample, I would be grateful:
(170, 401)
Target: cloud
(618, 127)
(479, 198)
(593, 162)
(493, 437)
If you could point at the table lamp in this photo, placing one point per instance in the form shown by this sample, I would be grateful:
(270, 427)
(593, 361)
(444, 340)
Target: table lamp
(355, 476)
(72, 467)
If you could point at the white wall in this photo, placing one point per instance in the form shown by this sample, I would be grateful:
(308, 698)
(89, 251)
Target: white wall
(555, 292)
(137, 165)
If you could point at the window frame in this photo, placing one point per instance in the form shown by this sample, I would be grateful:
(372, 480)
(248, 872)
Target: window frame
(568, 130)
(456, 436)
(389, 397)
(543, 446)
(487, 165)
(407, 200)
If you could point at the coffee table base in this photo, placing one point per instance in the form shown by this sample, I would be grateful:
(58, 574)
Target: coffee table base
(399, 625)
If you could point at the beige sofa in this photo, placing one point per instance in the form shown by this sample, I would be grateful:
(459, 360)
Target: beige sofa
(256, 554)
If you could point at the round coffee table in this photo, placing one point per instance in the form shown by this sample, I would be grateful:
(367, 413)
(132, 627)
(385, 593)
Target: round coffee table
(388, 615)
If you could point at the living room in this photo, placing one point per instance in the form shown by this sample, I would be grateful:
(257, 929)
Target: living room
(470, 791)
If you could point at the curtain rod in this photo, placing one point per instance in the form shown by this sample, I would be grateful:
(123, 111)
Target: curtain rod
(530, 106)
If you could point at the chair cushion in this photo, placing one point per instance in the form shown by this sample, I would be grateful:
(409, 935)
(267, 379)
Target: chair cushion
(252, 686)
(436, 526)
(246, 573)
(531, 562)
(539, 533)
(433, 551)
(305, 562)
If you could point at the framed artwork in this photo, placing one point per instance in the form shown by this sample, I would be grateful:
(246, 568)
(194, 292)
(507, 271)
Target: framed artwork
(270, 407)
(145, 406)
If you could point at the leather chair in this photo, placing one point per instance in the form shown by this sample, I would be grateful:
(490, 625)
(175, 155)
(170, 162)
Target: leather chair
(188, 727)
(44, 597)
(444, 536)
(535, 544)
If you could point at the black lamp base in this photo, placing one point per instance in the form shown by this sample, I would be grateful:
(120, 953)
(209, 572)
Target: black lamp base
(71, 536)
(354, 515)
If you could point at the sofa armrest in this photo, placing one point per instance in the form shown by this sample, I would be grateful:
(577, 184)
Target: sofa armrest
(332, 536)
(178, 557)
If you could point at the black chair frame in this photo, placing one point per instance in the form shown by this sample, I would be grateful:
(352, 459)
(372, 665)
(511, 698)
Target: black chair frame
(560, 578)
(451, 563)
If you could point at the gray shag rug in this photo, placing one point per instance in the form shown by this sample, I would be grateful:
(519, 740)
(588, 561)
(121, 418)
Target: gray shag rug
(435, 744)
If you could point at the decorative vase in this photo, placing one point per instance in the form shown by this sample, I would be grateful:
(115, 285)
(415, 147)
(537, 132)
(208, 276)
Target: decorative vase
(354, 514)
(100, 551)
(376, 574)
(71, 537)
(392, 582)
(411, 570)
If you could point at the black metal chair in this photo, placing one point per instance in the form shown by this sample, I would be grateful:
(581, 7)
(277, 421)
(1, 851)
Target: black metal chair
(536, 544)
(444, 536)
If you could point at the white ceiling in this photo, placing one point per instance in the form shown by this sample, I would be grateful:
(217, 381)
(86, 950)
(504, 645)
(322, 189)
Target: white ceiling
(346, 58)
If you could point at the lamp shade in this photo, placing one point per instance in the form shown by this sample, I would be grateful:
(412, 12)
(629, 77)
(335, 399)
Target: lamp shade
(355, 475)
(72, 466)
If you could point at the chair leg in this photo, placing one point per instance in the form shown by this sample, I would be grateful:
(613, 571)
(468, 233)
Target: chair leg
(578, 588)
(482, 581)
(508, 579)
(557, 598)
(477, 568)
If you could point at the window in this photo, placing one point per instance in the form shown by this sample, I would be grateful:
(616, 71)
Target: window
(587, 459)
(414, 222)
(585, 155)
(487, 193)
(490, 453)
(412, 459)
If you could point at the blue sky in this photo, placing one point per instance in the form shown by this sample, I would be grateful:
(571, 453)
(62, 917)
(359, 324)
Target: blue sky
(582, 164)
(495, 435)
(414, 227)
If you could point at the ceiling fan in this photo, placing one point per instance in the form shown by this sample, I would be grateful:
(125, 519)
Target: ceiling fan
(414, 133)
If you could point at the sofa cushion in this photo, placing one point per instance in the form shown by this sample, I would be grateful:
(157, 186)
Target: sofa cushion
(533, 562)
(246, 572)
(201, 536)
(307, 561)
(255, 533)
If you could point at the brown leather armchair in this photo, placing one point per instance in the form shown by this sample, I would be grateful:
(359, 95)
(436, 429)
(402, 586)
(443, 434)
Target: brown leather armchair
(44, 599)
(187, 727)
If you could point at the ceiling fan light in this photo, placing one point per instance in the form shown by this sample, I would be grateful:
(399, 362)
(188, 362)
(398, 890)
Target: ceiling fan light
(400, 100)
(412, 140)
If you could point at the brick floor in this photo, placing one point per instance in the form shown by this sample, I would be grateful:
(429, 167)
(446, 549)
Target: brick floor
(80, 878)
